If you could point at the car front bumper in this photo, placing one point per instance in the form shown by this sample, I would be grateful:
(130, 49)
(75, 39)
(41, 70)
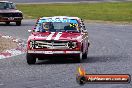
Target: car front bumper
(53, 52)
(10, 19)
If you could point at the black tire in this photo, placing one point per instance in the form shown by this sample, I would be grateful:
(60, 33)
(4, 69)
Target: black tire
(30, 59)
(7, 23)
(18, 23)
(78, 59)
(85, 55)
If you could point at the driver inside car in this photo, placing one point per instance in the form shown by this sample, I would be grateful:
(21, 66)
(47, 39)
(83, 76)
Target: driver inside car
(46, 26)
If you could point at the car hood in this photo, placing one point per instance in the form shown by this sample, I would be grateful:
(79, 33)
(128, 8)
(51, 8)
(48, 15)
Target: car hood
(55, 36)
(10, 11)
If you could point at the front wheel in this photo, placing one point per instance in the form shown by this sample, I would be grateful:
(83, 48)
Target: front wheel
(18, 23)
(30, 59)
(79, 58)
(85, 55)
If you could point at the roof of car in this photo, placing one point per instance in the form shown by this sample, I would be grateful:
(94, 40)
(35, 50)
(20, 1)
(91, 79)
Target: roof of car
(61, 17)
(5, 1)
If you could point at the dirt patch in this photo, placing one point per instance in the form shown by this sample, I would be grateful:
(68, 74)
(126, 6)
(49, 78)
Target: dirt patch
(7, 44)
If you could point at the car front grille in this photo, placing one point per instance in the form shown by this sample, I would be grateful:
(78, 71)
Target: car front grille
(10, 15)
(39, 44)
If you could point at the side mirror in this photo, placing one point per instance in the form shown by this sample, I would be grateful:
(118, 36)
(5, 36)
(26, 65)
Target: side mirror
(29, 31)
(85, 32)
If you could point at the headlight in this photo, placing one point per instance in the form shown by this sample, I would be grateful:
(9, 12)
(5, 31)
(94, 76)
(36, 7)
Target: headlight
(32, 44)
(72, 45)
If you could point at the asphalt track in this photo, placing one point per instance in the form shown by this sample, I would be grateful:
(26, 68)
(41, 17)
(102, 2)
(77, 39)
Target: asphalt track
(62, 1)
(110, 53)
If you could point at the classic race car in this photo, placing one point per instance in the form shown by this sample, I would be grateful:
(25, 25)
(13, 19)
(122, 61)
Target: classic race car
(59, 36)
(9, 13)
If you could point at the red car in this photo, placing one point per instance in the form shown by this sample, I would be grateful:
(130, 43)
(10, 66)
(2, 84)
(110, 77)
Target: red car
(9, 13)
(58, 36)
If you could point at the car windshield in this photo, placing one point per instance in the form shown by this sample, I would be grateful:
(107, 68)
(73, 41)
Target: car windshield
(5, 5)
(67, 25)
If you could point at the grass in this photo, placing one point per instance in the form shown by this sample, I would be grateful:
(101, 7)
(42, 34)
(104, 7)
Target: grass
(121, 11)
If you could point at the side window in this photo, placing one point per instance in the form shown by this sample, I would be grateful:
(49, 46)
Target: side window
(38, 28)
(13, 6)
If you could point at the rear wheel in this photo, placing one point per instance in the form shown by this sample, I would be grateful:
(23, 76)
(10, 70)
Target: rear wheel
(7, 23)
(30, 59)
(18, 23)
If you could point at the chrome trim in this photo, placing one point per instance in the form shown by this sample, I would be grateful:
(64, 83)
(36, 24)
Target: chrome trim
(37, 44)
(53, 52)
